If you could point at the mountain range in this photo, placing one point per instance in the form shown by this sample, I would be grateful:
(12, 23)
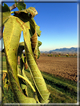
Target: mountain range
(62, 50)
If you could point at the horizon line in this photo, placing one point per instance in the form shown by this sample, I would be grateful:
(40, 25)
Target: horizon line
(59, 48)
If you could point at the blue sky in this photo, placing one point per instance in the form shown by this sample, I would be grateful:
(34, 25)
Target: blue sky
(58, 23)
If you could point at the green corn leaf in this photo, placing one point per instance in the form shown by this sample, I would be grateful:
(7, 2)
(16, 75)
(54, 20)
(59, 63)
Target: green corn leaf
(11, 38)
(5, 13)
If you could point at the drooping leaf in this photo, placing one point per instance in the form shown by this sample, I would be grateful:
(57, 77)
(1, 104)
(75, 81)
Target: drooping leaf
(5, 13)
(33, 24)
(37, 78)
(11, 38)
(32, 11)
(35, 72)
(27, 14)
(34, 43)
(34, 38)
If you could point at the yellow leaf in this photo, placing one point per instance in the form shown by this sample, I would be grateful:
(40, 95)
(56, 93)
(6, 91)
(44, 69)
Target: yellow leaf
(11, 37)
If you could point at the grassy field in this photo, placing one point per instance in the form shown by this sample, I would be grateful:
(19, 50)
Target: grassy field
(62, 90)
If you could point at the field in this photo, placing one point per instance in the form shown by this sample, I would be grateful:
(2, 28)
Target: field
(60, 75)
(59, 66)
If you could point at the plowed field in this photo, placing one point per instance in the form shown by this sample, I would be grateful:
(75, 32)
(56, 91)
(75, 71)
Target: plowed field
(59, 66)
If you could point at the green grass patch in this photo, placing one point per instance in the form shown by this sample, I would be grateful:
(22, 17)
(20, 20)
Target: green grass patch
(57, 96)
(60, 78)
(61, 86)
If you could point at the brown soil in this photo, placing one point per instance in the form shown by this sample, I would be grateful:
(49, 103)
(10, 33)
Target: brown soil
(59, 66)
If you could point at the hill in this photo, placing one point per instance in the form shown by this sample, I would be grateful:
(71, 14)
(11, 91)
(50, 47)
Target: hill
(62, 50)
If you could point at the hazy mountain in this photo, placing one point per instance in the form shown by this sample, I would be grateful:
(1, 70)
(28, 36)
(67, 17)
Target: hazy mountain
(63, 50)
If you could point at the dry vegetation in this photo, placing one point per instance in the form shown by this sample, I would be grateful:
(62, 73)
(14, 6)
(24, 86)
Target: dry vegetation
(59, 66)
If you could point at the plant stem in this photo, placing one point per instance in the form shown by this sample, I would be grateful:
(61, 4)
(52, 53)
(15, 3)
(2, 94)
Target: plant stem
(20, 76)
(12, 7)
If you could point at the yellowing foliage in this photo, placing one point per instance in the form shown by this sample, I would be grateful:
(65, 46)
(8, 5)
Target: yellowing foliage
(11, 36)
